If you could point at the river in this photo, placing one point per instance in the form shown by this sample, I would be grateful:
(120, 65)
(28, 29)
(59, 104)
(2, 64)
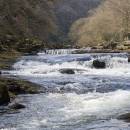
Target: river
(90, 99)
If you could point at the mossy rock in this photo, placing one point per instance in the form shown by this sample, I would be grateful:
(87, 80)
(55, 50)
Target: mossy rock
(17, 86)
(7, 59)
(4, 95)
(10, 88)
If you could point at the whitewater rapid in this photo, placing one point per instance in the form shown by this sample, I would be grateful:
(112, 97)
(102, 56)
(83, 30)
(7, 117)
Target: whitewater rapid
(116, 64)
(90, 99)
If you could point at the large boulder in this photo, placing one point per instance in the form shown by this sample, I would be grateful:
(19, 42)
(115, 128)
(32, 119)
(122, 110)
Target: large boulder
(4, 95)
(67, 71)
(125, 117)
(99, 64)
(22, 87)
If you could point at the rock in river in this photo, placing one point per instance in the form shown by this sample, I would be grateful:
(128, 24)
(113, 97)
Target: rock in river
(128, 58)
(4, 95)
(99, 64)
(67, 71)
(125, 117)
(16, 106)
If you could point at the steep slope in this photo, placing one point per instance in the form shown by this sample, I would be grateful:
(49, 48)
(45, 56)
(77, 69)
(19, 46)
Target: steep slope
(27, 18)
(108, 26)
(47, 20)
(68, 11)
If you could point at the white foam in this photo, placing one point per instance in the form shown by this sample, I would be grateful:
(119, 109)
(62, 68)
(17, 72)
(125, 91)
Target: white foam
(92, 104)
(8, 129)
(116, 66)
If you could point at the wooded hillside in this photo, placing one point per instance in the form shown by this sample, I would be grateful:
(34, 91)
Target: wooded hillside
(28, 24)
(26, 18)
(68, 11)
(108, 24)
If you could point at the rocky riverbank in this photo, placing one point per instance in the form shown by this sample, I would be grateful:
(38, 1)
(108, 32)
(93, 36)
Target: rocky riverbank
(10, 87)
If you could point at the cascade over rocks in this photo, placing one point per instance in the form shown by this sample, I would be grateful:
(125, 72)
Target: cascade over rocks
(99, 64)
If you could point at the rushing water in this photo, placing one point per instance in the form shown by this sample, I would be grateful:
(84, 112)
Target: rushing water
(90, 99)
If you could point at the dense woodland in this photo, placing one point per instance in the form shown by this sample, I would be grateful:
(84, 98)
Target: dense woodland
(28, 25)
(107, 25)
(68, 11)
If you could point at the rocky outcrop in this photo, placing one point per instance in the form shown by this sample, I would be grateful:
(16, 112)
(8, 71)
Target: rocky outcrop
(99, 64)
(21, 87)
(10, 88)
(4, 95)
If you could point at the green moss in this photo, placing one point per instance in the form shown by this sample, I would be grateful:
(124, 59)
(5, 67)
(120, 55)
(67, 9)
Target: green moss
(10, 88)
(17, 86)
(12, 96)
(8, 58)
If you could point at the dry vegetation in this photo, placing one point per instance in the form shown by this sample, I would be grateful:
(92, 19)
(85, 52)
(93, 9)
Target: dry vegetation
(108, 24)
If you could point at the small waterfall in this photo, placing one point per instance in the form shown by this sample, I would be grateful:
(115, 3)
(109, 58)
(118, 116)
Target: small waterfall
(67, 51)
(112, 61)
(57, 51)
(118, 62)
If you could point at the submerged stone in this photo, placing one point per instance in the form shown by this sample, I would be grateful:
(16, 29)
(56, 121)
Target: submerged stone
(16, 106)
(67, 71)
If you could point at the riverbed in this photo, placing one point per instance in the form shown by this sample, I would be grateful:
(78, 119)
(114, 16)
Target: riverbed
(89, 99)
